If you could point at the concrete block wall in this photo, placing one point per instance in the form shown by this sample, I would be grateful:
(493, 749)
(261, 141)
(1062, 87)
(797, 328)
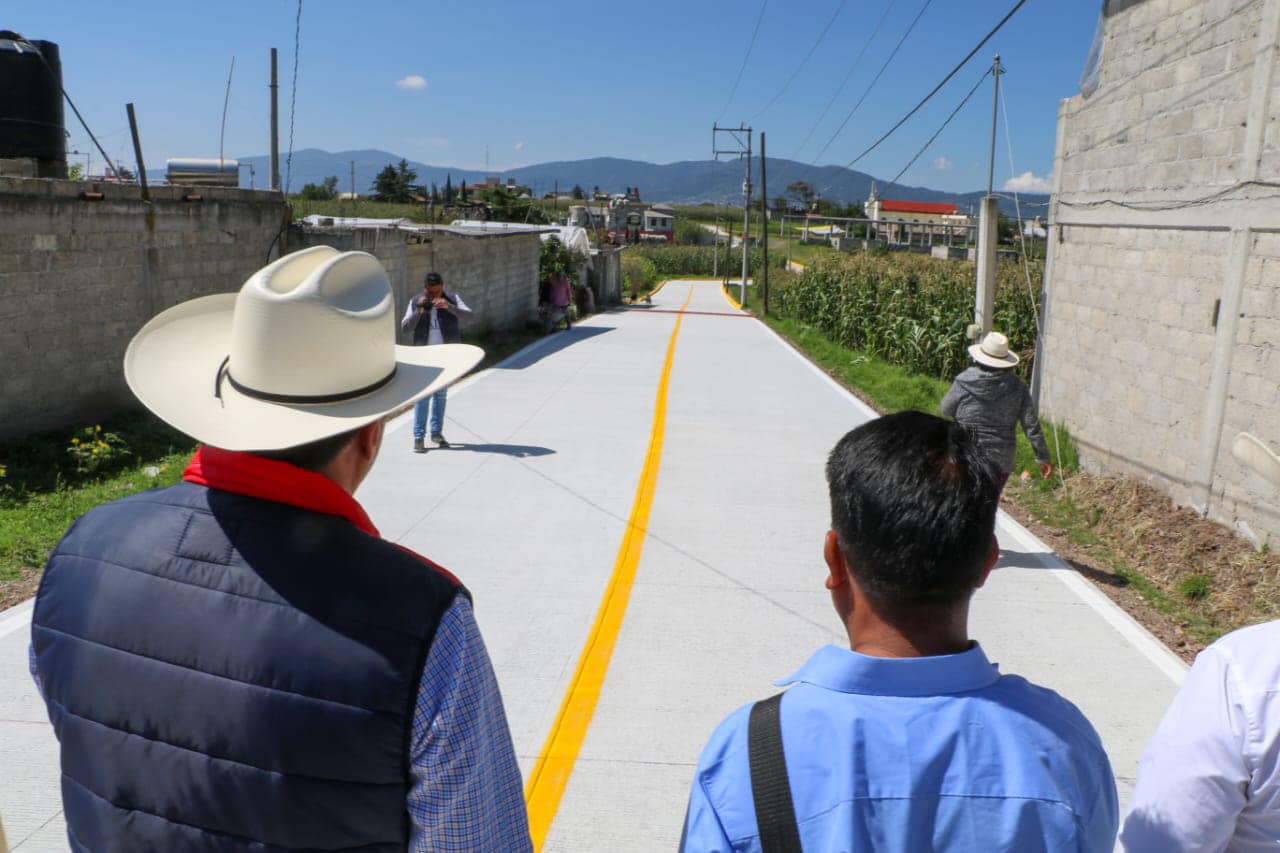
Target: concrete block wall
(78, 278)
(1163, 291)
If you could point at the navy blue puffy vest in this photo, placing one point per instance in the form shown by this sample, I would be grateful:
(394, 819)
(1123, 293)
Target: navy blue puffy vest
(226, 673)
(449, 329)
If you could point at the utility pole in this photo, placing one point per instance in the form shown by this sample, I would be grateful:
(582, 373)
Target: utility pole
(137, 153)
(275, 125)
(764, 230)
(988, 232)
(741, 137)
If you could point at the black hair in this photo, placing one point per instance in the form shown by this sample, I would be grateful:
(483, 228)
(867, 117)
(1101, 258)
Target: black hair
(314, 455)
(913, 505)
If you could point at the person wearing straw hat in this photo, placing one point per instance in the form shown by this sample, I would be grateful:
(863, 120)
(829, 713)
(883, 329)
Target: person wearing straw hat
(1210, 777)
(990, 400)
(240, 661)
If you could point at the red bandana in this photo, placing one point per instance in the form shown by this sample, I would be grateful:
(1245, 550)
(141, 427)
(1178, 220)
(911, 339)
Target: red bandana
(275, 481)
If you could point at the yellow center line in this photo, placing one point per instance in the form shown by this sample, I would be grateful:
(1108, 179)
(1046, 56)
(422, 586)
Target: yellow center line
(551, 773)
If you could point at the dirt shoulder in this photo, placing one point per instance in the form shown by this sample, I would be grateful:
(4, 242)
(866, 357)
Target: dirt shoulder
(1187, 579)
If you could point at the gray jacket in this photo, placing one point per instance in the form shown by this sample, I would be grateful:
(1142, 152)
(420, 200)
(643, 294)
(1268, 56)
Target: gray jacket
(991, 403)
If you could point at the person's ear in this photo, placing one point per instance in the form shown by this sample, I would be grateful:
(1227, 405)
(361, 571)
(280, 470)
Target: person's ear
(367, 441)
(837, 565)
(993, 556)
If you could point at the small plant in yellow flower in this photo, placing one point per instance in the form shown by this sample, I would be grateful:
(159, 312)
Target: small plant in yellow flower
(92, 448)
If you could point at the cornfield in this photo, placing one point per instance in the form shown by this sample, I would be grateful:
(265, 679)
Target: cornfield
(676, 261)
(911, 310)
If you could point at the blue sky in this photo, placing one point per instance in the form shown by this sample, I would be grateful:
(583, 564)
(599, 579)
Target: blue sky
(440, 82)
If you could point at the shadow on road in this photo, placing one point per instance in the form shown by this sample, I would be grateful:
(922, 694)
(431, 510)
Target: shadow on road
(1035, 560)
(519, 451)
(555, 342)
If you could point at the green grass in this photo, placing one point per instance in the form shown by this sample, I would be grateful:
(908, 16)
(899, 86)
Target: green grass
(42, 492)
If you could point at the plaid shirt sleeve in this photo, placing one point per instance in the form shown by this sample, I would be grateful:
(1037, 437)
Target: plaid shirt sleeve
(466, 793)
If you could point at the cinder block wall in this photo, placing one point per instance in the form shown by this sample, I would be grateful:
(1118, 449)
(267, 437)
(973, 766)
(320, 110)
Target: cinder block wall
(78, 278)
(496, 274)
(1163, 303)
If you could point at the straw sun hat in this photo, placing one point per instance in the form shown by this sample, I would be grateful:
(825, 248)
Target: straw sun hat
(306, 350)
(993, 351)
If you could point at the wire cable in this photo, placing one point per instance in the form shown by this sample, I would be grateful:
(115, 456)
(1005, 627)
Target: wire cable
(848, 74)
(944, 82)
(875, 79)
(1026, 269)
(936, 134)
(293, 98)
(750, 45)
(803, 62)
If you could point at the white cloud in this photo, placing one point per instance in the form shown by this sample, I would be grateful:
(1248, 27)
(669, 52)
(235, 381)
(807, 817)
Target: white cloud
(518, 145)
(942, 164)
(413, 81)
(1028, 182)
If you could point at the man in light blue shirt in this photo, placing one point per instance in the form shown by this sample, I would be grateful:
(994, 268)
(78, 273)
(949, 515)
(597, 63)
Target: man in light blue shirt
(910, 739)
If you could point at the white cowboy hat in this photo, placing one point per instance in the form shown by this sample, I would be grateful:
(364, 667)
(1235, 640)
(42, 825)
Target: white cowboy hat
(1250, 450)
(993, 351)
(306, 350)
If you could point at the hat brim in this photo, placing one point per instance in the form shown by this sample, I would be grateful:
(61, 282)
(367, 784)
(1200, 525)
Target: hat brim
(1255, 455)
(172, 367)
(978, 355)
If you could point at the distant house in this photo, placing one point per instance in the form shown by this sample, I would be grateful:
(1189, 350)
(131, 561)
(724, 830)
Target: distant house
(659, 223)
(909, 221)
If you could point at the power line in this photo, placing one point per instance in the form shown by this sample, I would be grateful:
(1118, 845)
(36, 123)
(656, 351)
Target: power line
(840, 89)
(293, 98)
(875, 79)
(925, 147)
(803, 62)
(944, 82)
(750, 45)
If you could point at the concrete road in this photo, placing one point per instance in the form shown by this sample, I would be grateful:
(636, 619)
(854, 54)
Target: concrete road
(649, 486)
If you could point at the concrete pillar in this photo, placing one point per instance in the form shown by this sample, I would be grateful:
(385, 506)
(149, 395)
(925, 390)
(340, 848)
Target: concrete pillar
(984, 305)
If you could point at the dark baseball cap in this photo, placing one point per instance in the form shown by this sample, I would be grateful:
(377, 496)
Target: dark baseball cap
(434, 278)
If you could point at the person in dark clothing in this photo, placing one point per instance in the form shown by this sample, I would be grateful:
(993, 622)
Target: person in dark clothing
(432, 316)
(990, 401)
(240, 661)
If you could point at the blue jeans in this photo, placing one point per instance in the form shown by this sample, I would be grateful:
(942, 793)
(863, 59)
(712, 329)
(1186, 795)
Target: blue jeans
(435, 405)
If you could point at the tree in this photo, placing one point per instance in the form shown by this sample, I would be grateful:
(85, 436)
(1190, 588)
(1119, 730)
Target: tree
(578, 193)
(448, 189)
(801, 191)
(124, 173)
(323, 191)
(463, 196)
(435, 193)
(395, 183)
(779, 202)
(75, 171)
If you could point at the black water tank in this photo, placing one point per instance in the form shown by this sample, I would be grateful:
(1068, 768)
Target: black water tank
(31, 118)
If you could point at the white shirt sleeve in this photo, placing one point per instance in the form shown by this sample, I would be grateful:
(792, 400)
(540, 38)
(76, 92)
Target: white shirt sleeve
(409, 312)
(461, 308)
(1194, 777)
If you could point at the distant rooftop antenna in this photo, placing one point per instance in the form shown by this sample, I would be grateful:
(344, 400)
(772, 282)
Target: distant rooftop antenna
(223, 135)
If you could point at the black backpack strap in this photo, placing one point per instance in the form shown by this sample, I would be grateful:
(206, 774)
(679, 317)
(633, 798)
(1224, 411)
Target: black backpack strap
(770, 788)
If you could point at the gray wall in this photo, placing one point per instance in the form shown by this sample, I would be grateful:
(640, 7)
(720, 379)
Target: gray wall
(1163, 297)
(496, 273)
(78, 278)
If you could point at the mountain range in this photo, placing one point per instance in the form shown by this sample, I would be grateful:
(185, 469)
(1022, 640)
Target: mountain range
(686, 182)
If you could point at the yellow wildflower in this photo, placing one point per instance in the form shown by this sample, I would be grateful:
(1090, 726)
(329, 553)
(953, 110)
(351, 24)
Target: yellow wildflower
(75, 441)
(97, 429)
